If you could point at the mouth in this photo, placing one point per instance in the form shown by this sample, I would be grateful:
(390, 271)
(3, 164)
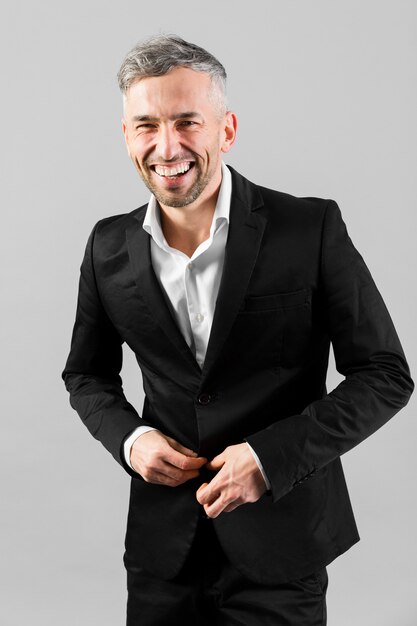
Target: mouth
(173, 172)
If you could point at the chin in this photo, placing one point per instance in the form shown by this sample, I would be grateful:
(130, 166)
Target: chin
(175, 202)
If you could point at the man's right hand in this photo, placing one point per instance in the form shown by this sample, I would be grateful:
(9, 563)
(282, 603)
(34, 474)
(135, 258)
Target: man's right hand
(163, 461)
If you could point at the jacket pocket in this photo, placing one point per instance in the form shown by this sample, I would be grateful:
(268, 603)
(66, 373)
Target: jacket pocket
(275, 301)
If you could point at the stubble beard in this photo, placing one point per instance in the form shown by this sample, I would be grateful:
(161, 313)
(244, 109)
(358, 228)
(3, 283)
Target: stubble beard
(169, 199)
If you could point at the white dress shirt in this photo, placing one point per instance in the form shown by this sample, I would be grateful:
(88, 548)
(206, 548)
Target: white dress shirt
(191, 283)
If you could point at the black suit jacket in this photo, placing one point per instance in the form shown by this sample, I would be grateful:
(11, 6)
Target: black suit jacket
(292, 283)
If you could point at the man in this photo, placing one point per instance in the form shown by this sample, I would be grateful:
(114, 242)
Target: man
(229, 294)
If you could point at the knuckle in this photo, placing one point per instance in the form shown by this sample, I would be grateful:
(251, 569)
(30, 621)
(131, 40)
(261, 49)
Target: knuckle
(223, 501)
(177, 476)
(182, 464)
(153, 457)
(206, 497)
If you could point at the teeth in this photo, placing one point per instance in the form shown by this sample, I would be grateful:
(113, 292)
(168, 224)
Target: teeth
(181, 168)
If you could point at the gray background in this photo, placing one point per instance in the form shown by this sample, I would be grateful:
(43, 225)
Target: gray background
(325, 93)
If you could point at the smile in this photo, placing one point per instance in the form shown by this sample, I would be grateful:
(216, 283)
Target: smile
(176, 170)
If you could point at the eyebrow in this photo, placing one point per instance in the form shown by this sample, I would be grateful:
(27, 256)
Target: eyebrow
(172, 118)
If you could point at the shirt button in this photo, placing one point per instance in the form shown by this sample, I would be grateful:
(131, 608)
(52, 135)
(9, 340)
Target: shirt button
(190, 266)
(199, 317)
(204, 398)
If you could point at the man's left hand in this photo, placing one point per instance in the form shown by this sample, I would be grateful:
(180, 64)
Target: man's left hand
(238, 481)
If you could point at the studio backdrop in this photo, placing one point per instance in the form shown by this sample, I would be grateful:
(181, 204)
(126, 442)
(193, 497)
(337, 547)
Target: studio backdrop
(325, 94)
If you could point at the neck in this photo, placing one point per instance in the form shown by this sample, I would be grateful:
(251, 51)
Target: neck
(185, 228)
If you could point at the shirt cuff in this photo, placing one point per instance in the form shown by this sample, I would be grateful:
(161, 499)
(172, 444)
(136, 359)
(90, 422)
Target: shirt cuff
(258, 462)
(127, 446)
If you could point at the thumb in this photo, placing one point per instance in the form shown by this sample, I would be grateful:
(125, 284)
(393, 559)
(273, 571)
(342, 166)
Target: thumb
(216, 463)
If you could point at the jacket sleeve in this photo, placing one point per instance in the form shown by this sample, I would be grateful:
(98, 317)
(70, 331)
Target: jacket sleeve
(368, 353)
(92, 371)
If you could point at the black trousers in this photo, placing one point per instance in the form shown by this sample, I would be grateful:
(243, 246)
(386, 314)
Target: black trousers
(209, 591)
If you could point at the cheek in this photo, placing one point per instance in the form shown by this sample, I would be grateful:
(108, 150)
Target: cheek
(140, 149)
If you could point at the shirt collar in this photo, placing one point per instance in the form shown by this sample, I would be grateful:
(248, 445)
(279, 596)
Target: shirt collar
(152, 221)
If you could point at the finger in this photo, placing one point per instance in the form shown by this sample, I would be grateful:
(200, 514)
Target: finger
(216, 463)
(159, 466)
(180, 475)
(188, 475)
(182, 461)
(215, 508)
(169, 478)
(231, 507)
(159, 478)
(177, 473)
(201, 487)
(178, 459)
(201, 494)
(209, 494)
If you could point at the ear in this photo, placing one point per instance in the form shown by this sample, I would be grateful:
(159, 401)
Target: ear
(230, 129)
(125, 133)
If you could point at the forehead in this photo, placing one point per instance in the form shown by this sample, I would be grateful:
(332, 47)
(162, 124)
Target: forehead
(160, 96)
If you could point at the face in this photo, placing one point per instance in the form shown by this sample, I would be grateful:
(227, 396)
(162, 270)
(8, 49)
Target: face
(175, 135)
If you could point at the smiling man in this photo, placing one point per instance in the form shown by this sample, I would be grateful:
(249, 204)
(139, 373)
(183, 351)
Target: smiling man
(175, 149)
(229, 294)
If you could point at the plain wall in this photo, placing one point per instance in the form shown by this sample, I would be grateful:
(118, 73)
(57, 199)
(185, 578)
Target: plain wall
(325, 93)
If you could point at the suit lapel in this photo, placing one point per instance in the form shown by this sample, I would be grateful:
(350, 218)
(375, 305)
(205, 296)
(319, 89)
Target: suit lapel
(138, 242)
(246, 229)
(244, 239)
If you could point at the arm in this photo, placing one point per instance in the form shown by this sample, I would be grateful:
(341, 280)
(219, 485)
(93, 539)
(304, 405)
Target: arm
(92, 378)
(377, 385)
(367, 352)
(92, 370)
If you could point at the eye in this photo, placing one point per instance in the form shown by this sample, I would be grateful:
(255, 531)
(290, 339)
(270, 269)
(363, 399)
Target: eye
(145, 126)
(186, 123)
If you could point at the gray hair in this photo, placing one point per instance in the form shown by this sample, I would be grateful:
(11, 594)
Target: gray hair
(160, 54)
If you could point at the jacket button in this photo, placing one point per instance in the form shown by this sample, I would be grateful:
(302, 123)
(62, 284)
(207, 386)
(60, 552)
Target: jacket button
(204, 398)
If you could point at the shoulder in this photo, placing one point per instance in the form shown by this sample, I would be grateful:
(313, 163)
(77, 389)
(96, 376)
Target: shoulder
(119, 223)
(282, 207)
(112, 230)
(108, 237)
(302, 213)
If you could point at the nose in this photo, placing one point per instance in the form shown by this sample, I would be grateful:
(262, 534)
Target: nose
(168, 143)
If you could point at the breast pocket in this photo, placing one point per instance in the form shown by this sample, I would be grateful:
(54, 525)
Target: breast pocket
(276, 301)
(271, 330)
